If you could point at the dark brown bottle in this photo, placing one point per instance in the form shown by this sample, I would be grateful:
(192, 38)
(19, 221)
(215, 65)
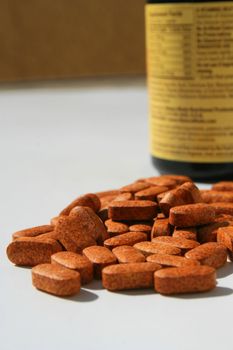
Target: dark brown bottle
(190, 77)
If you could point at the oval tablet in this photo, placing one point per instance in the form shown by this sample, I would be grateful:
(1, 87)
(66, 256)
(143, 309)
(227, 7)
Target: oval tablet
(191, 215)
(149, 248)
(129, 276)
(56, 279)
(211, 254)
(33, 231)
(176, 280)
(181, 243)
(127, 254)
(129, 238)
(28, 251)
(171, 260)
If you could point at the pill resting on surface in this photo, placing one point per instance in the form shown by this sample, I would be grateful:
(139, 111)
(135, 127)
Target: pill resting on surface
(192, 279)
(56, 279)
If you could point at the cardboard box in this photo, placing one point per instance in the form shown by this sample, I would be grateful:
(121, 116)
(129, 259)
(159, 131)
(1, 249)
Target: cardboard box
(47, 39)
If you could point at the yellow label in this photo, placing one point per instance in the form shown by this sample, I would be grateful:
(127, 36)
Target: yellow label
(190, 80)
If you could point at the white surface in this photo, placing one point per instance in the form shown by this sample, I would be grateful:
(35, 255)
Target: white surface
(57, 142)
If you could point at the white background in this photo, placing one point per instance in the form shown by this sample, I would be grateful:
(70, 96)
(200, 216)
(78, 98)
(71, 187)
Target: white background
(58, 141)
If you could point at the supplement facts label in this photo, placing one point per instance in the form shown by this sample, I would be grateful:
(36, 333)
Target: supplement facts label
(190, 80)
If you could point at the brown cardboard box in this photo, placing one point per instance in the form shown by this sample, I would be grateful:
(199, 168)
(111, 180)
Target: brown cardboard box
(46, 39)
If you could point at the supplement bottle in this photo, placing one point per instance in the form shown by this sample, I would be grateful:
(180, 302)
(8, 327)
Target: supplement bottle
(190, 82)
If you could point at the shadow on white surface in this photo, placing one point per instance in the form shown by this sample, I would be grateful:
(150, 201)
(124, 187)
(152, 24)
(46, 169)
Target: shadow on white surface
(217, 292)
(226, 270)
(83, 297)
(136, 292)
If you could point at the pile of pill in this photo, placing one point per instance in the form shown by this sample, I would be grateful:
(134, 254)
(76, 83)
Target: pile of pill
(160, 232)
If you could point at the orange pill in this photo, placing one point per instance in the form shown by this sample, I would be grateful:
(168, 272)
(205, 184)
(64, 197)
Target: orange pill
(56, 279)
(128, 238)
(189, 279)
(33, 231)
(115, 228)
(210, 196)
(183, 244)
(27, 251)
(128, 254)
(225, 237)
(150, 193)
(149, 248)
(212, 254)
(166, 260)
(191, 215)
(129, 276)
(161, 227)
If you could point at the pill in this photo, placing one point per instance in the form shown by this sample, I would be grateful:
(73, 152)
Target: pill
(115, 228)
(161, 227)
(149, 248)
(128, 238)
(166, 260)
(210, 196)
(212, 254)
(185, 234)
(125, 196)
(33, 231)
(82, 224)
(132, 210)
(159, 181)
(141, 228)
(186, 193)
(129, 276)
(99, 257)
(128, 254)
(88, 200)
(28, 251)
(51, 234)
(75, 234)
(89, 222)
(76, 262)
(150, 193)
(223, 208)
(56, 279)
(181, 243)
(223, 186)
(208, 233)
(179, 179)
(135, 187)
(107, 193)
(225, 237)
(191, 215)
(189, 279)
